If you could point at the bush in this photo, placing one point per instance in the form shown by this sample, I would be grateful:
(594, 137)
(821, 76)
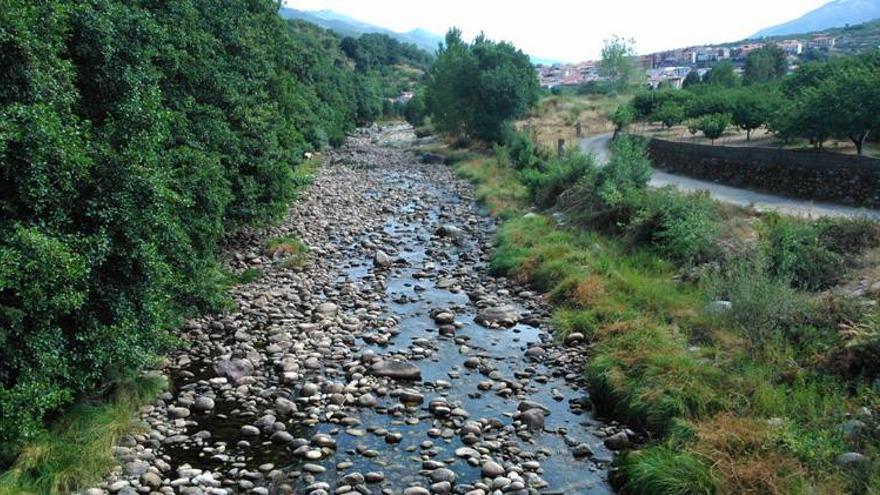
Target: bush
(763, 306)
(523, 152)
(416, 111)
(683, 227)
(628, 170)
(796, 253)
(622, 118)
(546, 184)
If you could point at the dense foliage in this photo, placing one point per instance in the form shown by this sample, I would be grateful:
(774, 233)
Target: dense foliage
(133, 135)
(474, 89)
(385, 68)
(765, 64)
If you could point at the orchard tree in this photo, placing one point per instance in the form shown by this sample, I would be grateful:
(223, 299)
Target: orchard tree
(619, 65)
(836, 99)
(714, 125)
(669, 113)
(751, 108)
(765, 64)
(851, 103)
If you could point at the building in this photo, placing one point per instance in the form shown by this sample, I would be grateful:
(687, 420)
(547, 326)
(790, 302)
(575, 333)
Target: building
(791, 47)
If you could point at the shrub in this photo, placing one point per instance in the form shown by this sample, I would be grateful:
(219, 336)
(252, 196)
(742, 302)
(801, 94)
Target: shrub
(523, 152)
(796, 253)
(763, 306)
(622, 118)
(545, 185)
(416, 110)
(627, 170)
(848, 235)
(683, 227)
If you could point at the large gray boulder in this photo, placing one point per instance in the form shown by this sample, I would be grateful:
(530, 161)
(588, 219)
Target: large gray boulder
(234, 369)
(498, 316)
(396, 370)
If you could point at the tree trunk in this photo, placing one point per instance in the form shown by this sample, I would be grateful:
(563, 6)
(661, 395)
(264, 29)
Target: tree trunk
(748, 135)
(859, 141)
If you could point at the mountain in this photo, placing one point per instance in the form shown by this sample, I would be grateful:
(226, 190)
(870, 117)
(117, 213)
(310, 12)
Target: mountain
(348, 26)
(837, 13)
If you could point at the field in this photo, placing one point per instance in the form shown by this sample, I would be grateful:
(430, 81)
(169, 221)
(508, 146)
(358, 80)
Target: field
(555, 117)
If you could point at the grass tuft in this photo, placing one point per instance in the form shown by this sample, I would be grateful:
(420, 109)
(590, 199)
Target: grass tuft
(293, 251)
(77, 451)
(666, 471)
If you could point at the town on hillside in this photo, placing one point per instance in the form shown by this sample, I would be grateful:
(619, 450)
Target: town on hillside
(671, 67)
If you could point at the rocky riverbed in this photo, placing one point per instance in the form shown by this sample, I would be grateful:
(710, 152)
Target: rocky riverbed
(392, 362)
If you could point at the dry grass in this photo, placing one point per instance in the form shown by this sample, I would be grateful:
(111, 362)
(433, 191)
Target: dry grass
(555, 116)
(590, 291)
(746, 454)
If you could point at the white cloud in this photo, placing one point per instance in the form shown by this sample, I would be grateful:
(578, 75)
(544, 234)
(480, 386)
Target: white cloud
(574, 30)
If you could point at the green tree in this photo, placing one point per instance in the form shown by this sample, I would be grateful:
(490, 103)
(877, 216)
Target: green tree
(134, 134)
(714, 125)
(619, 64)
(670, 114)
(723, 75)
(836, 99)
(752, 108)
(765, 64)
(622, 118)
(475, 89)
(692, 79)
(851, 103)
(416, 110)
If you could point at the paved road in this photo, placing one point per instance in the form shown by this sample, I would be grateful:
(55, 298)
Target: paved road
(598, 145)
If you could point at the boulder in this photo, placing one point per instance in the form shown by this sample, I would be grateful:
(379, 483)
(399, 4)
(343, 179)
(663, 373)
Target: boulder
(234, 369)
(396, 370)
(504, 316)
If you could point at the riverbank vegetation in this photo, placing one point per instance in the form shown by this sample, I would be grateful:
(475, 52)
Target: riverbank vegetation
(134, 136)
(713, 328)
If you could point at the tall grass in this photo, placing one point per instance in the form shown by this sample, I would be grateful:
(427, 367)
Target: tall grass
(77, 451)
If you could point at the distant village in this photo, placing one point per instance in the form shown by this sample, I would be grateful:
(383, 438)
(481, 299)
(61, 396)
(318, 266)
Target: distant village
(671, 67)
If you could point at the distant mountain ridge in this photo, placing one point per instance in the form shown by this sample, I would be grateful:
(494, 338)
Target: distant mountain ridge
(348, 26)
(837, 13)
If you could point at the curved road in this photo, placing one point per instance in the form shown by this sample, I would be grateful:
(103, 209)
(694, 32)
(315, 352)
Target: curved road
(599, 146)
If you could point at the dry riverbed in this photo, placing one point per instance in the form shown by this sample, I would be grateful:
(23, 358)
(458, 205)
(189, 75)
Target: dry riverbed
(392, 362)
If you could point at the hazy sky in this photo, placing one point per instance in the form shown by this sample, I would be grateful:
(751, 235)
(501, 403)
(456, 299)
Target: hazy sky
(574, 30)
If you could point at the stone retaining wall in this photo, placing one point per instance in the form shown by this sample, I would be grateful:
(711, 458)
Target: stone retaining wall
(846, 179)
